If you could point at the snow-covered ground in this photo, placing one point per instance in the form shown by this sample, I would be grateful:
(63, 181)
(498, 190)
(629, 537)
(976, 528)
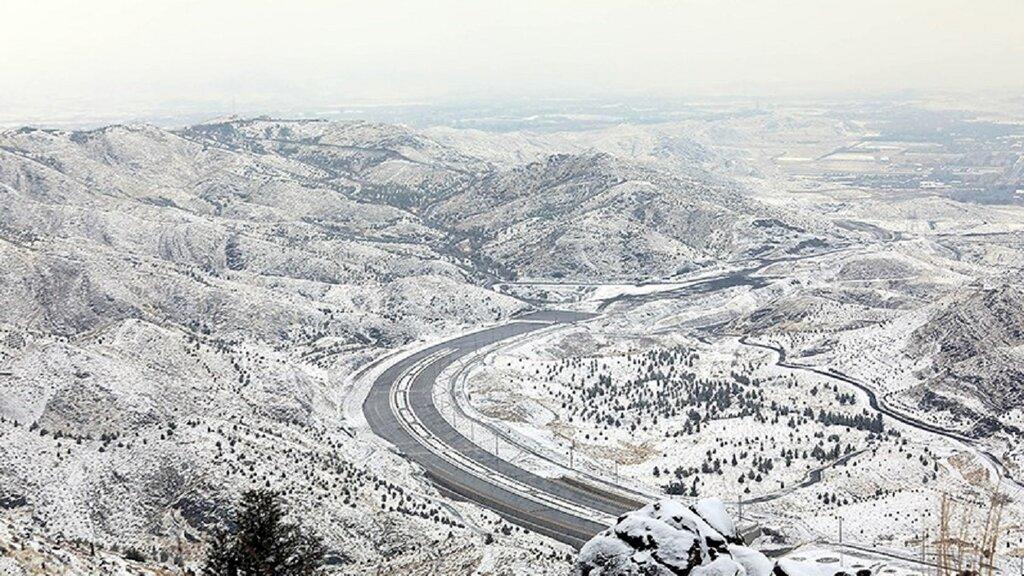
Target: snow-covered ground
(188, 312)
(655, 395)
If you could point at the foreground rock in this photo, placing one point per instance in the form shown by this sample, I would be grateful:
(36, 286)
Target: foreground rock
(668, 538)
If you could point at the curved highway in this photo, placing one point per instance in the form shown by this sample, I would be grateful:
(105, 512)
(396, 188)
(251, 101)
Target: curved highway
(400, 408)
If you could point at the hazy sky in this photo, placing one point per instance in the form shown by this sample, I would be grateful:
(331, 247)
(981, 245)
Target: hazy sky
(110, 53)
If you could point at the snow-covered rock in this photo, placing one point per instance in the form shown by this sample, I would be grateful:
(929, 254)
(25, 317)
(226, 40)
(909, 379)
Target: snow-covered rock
(668, 538)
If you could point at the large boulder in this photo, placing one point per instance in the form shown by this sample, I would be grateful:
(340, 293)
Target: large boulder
(669, 538)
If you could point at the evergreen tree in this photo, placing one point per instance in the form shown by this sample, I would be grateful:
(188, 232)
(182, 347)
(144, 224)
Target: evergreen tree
(263, 543)
(222, 559)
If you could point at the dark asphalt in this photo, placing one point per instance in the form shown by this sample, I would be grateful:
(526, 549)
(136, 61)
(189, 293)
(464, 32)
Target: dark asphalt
(568, 528)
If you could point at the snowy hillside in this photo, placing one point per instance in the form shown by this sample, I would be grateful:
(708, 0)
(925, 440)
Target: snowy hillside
(596, 217)
(184, 311)
(973, 346)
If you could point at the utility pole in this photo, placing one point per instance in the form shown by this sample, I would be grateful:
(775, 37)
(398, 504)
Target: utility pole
(571, 444)
(739, 500)
(840, 541)
(923, 538)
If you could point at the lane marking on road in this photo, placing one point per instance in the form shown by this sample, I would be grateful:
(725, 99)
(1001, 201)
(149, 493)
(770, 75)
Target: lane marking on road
(418, 430)
(447, 393)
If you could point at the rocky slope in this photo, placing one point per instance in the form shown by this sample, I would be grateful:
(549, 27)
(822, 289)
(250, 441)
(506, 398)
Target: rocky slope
(592, 216)
(973, 343)
(183, 312)
(179, 323)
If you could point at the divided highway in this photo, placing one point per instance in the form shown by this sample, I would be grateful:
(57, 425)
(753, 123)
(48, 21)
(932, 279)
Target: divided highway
(400, 408)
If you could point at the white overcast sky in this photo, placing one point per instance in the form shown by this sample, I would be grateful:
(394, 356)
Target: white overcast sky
(105, 53)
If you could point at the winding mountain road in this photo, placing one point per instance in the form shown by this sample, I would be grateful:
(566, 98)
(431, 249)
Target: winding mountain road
(879, 406)
(400, 409)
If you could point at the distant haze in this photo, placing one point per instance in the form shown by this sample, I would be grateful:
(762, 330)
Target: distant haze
(117, 56)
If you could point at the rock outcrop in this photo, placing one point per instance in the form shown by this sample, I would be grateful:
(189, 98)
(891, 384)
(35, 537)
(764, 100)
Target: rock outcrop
(669, 538)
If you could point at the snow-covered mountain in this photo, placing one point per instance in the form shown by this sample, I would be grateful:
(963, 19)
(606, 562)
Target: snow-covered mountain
(180, 320)
(184, 311)
(593, 216)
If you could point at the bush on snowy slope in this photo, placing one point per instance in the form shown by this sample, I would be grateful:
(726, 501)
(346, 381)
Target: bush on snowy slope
(667, 538)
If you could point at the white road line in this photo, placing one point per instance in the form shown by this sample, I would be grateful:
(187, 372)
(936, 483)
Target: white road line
(416, 429)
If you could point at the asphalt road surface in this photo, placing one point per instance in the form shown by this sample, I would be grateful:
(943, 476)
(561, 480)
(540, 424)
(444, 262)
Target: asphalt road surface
(521, 497)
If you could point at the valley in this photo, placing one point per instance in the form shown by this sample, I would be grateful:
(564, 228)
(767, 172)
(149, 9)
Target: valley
(471, 351)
